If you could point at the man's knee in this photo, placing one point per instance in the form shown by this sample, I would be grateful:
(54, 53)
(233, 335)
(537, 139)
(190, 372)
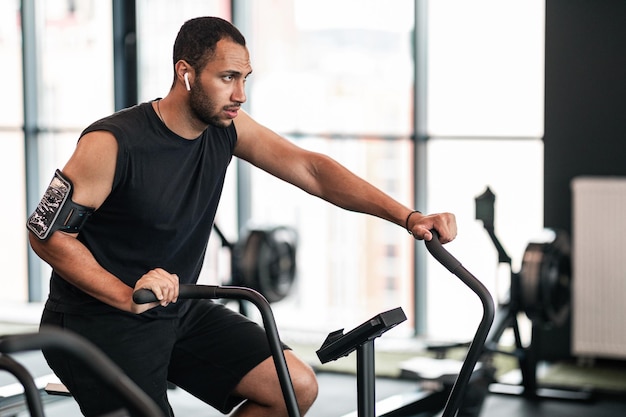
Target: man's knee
(261, 387)
(304, 384)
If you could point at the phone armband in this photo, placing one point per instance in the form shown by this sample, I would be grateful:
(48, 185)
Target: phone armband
(57, 211)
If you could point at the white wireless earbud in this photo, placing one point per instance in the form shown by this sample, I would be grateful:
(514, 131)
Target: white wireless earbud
(186, 76)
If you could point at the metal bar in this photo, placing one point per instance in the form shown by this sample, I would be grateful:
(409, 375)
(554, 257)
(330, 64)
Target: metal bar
(125, 53)
(366, 380)
(31, 392)
(30, 87)
(420, 293)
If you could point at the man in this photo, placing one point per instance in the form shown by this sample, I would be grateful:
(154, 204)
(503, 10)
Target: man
(133, 208)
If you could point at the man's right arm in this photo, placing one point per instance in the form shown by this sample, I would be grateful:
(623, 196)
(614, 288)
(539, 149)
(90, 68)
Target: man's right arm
(91, 170)
(73, 261)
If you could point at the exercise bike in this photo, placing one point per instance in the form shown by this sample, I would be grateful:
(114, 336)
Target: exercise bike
(336, 345)
(361, 339)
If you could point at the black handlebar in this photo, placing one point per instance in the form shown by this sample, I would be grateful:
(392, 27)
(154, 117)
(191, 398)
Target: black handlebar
(31, 391)
(79, 348)
(187, 291)
(437, 250)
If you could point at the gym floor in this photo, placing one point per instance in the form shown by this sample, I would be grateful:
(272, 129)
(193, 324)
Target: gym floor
(337, 397)
(337, 382)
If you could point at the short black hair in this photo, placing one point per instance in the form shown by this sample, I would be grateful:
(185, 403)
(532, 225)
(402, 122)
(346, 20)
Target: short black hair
(198, 37)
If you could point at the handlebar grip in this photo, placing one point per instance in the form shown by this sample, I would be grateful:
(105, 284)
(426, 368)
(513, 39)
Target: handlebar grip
(188, 291)
(144, 296)
(438, 252)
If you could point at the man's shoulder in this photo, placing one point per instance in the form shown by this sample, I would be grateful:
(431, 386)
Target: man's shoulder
(133, 113)
(122, 121)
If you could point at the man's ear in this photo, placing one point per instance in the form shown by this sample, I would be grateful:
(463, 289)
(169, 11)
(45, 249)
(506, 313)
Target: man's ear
(184, 73)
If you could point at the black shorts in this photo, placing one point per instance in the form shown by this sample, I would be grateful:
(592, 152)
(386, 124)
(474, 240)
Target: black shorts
(206, 352)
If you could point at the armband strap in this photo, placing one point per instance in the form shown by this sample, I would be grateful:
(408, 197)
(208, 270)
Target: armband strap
(57, 211)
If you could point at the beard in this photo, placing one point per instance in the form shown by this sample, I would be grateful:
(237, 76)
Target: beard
(205, 109)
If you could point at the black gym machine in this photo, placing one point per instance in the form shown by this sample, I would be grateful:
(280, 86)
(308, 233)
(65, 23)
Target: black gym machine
(336, 345)
(541, 290)
(263, 259)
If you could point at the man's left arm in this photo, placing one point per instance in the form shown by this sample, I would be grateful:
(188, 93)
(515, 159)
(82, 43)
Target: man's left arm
(324, 177)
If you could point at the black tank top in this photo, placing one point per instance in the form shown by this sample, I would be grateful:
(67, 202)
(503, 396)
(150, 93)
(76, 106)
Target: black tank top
(161, 209)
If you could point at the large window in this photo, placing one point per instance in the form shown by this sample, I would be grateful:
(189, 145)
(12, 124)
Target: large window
(485, 124)
(74, 83)
(69, 80)
(340, 83)
(13, 254)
